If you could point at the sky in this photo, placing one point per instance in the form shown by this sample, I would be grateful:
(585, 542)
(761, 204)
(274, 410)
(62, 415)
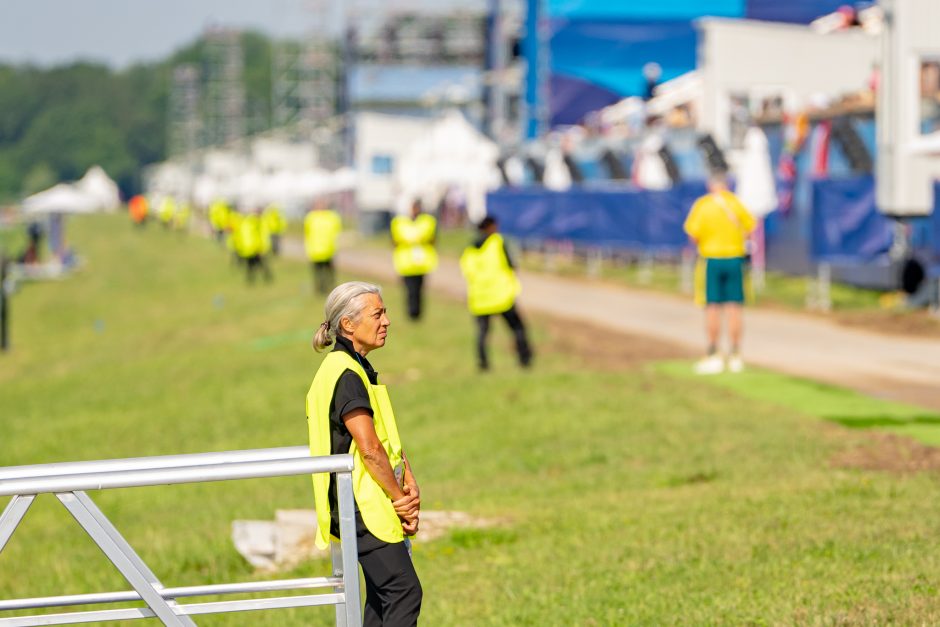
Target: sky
(123, 32)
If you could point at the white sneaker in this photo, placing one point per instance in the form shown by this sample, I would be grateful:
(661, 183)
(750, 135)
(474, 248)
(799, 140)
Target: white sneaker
(710, 365)
(735, 364)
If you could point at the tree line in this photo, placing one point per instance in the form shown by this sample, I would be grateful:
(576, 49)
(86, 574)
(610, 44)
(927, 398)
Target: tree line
(57, 122)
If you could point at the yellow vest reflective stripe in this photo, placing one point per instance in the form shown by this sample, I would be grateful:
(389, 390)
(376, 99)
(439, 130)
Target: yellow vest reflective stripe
(492, 285)
(321, 228)
(374, 504)
(414, 249)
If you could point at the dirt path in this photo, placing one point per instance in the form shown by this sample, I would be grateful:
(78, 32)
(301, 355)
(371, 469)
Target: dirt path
(899, 368)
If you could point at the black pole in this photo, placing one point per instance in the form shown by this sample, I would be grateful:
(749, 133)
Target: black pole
(4, 306)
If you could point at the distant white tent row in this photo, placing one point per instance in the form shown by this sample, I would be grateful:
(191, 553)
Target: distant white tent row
(93, 193)
(272, 172)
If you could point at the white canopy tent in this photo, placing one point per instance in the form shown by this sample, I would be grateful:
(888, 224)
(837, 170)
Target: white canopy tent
(451, 155)
(93, 193)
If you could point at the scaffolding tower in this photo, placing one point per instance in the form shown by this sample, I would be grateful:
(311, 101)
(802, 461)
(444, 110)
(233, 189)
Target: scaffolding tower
(184, 124)
(225, 90)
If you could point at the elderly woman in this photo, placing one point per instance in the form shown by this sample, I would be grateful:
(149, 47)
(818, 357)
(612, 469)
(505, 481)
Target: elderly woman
(348, 412)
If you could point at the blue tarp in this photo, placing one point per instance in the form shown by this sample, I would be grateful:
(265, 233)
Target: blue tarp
(620, 217)
(846, 225)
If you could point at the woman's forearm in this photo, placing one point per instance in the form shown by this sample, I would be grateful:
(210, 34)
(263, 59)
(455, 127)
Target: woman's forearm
(377, 465)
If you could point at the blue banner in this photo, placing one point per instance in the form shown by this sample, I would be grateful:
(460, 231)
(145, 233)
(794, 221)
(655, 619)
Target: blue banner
(846, 225)
(619, 217)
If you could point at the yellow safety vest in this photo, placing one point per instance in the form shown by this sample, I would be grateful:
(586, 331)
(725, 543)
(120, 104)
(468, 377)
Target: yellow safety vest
(167, 209)
(233, 237)
(492, 285)
(218, 215)
(273, 221)
(249, 242)
(376, 508)
(414, 248)
(321, 228)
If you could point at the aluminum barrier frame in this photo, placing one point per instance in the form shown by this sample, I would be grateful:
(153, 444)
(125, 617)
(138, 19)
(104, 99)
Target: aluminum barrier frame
(70, 481)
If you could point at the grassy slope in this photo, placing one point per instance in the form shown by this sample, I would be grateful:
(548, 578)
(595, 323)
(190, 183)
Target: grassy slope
(630, 496)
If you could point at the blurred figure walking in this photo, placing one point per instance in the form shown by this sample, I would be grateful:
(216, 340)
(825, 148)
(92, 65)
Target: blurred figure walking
(250, 247)
(218, 218)
(322, 227)
(414, 256)
(273, 224)
(719, 225)
(167, 211)
(138, 207)
(492, 287)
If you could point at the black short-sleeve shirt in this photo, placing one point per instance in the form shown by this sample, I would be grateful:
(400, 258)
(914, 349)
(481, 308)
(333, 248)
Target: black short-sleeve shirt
(350, 394)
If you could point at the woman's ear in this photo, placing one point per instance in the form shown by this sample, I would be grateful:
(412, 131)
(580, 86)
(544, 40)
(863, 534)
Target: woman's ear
(347, 325)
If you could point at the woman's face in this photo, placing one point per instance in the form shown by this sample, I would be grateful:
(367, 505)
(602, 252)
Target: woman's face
(370, 331)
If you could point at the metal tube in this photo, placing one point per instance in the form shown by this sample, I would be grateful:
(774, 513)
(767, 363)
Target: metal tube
(170, 593)
(171, 476)
(124, 563)
(350, 551)
(218, 607)
(12, 516)
(59, 469)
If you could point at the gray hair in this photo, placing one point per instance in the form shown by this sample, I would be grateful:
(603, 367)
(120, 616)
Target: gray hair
(345, 301)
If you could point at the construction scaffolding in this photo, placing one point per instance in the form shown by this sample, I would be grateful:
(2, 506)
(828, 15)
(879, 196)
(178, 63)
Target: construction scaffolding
(184, 125)
(225, 89)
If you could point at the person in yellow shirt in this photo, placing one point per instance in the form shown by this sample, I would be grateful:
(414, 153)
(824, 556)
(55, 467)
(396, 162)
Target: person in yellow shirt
(719, 225)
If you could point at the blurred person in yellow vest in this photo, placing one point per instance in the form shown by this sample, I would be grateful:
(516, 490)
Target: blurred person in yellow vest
(719, 225)
(138, 207)
(414, 256)
(348, 412)
(167, 211)
(233, 235)
(274, 225)
(249, 243)
(322, 227)
(182, 216)
(492, 288)
(218, 218)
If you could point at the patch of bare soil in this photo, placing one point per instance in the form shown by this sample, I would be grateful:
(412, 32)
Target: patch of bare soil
(906, 323)
(889, 453)
(599, 347)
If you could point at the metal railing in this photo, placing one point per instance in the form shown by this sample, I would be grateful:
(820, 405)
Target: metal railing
(69, 481)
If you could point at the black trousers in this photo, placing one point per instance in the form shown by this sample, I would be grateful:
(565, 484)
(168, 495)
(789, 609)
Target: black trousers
(393, 592)
(515, 323)
(323, 276)
(413, 288)
(257, 263)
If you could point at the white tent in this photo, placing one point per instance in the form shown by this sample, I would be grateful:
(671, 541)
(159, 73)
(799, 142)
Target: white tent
(453, 154)
(94, 192)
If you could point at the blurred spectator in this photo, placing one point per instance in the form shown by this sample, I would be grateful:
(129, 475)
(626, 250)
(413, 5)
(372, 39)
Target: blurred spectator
(414, 257)
(492, 288)
(719, 225)
(322, 227)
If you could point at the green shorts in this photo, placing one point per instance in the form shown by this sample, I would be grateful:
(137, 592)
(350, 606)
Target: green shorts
(724, 280)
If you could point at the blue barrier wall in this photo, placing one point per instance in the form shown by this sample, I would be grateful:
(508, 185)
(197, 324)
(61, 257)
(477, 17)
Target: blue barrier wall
(615, 216)
(847, 228)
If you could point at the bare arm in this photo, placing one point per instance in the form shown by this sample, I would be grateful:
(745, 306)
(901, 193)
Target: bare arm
(360, 426)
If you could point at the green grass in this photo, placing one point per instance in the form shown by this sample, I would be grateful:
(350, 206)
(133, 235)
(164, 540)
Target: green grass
(824, 401)
(629, 496)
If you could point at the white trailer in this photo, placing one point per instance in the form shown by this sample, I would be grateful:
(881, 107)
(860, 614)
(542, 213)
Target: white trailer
(908, 107)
